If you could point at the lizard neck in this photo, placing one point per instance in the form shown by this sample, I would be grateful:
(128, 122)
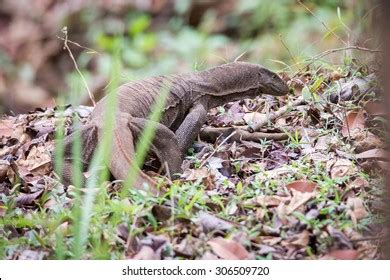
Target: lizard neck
(215, 100)
(226, 83)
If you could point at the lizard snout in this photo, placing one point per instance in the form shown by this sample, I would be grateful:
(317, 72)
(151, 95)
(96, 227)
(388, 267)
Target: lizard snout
(279, 88)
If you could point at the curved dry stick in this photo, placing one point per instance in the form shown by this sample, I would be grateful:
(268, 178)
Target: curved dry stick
(273, 116)
(210, 134)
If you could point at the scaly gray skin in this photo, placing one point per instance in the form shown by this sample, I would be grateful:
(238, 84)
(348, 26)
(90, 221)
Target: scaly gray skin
(190, 97)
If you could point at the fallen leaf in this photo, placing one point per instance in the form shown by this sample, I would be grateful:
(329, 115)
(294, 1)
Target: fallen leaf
(228, 249)
(270, 200)
(375, 108)
(27, 198)
(374, 153)
(161, 212)
(146, 253)
(341, 167)
(4, 166)
(366, 141)
(254, 117)
(353, 124)
(196, 174)
(298, 199)
(187, 247)
(344, 254)
(384, 165)
(302, 186)
(359, 184)
(270, 240)
(31, 255)
(122, 231)
(301, 239)
(356, 209)
(339, 238)
(210, 222)
(209, 256)
(6, 127)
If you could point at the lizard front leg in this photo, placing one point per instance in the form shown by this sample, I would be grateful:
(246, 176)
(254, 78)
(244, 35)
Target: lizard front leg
(190, 127)
(164, 145)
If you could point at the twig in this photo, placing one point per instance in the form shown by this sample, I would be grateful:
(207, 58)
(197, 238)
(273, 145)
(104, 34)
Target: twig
(368, 238)
(328, 52)
(323, 23)
(217, 148)
(273, 116)
(287, 48)
(210, 134)
(77, 44)
(66, 47)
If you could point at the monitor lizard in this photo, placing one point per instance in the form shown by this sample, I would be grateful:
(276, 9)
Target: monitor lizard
(190, 96)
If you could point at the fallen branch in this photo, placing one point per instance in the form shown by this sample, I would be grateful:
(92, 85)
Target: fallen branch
(210, 134)
(273, 116)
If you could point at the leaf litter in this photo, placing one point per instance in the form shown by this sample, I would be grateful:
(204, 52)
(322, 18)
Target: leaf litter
(308, 197)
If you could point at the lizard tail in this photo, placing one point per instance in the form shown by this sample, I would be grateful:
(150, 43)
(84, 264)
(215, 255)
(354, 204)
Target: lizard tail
(122, 154)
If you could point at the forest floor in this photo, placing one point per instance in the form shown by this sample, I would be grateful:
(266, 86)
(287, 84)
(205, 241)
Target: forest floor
(311, 193)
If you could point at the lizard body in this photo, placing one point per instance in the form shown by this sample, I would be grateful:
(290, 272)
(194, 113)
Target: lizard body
(190, 97)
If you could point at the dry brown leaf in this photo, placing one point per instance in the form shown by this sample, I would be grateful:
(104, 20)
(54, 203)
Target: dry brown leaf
(359, 184)
(209, 256)
(31, 255)
(196, 174)
(270, 240)
(341, 167)
(24, 199)
(210, 222)
(38, 162)
(254, 117)
(4, 166)
(301, 239)
(6, 127)
(282, 212)
(228, 249)
(146, 253)
(366, 141)
(270, 200)
(353, 124)
(374, 153)
(188, 247)
(302, 186)
(323, 143)
(347, 254)
(161, 212)
(298, 199)
(384, 165)
(375, 108)
(356, 209)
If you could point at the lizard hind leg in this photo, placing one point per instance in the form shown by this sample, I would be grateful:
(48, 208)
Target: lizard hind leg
(164, 145)
(87, 136)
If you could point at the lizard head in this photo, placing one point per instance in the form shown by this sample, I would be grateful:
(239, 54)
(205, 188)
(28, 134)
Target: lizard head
(238, 80)
(248, 78)
(271, 83)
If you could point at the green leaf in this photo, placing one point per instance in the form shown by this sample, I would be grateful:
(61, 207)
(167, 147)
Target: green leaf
(316, 84)
(306, 94)
(139, 25)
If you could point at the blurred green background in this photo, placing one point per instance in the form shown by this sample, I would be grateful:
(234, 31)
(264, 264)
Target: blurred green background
(155, 37)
